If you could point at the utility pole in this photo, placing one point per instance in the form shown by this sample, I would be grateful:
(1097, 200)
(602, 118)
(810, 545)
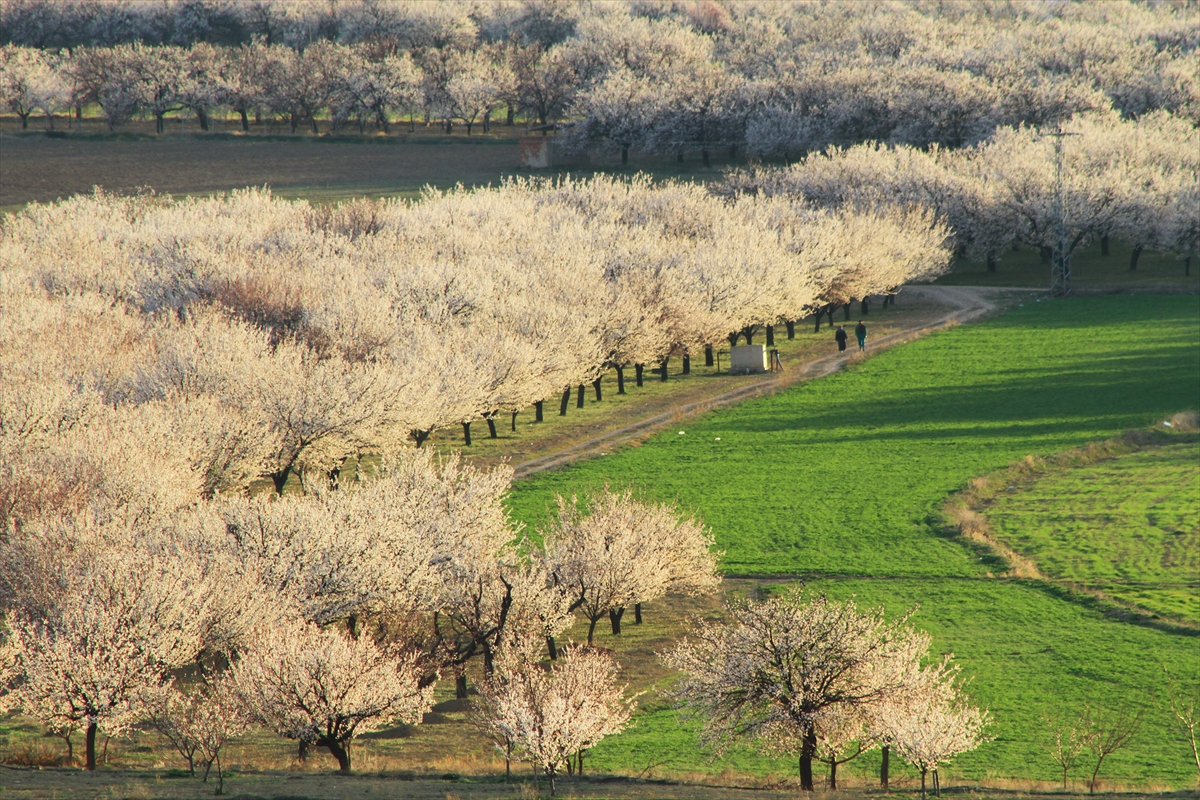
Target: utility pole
(1060, 261)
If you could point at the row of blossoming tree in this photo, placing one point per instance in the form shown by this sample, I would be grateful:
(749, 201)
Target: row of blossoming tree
(771, 79)
(156, 357)
(1137, 181)
(292, 337)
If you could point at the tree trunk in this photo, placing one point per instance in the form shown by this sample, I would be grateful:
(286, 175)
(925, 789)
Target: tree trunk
(708, 355)
(733, 339)
(302, 750)
(510, 116)
(614, 616)
(865, 305)
(620, 380)
(245, 120)
(1047, 254)
(340, 751)
(846, 310)
(514, 422)
(1104, 245)
(1095, 773)
(937, 783)
(991, 263)
(637, 374)
(579, 397)
(883, 767)
(592, 629)
(491, 423)
(770, 336)
(829, 311)
(419, 436)
(817, 326)
(566, 398)
(922, 783)
(467, 434)
(1133, 258)
(637, 613)
(460, 687)
(624, 156)
(552, 648)
(158, 123)
(664, 368)
(90, 747)
(687, 365)
(748, 332)
(596, 386)
(280, 479)
(806, 757)
(550, 775)
(202, 117)
(537, 411)
(791, 329)
(833, 775)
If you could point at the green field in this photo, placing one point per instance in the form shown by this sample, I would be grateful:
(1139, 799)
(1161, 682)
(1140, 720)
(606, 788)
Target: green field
(840, 480)
(1128, 526)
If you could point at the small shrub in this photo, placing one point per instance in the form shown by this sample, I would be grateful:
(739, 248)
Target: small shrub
(1185, 421)
(33, 754)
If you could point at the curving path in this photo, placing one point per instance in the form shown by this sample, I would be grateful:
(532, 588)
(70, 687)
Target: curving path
(969, 303)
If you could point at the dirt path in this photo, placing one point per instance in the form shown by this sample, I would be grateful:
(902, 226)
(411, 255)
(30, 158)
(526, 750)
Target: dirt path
(967, 303)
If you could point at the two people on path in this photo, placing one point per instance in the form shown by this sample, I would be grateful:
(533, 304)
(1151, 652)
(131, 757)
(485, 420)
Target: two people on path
(860, 333)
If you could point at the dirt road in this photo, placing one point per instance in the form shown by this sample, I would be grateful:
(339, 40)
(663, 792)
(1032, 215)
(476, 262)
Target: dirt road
(965, 304)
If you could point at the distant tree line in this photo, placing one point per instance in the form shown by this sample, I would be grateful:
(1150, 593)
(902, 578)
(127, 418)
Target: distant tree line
(763, 79)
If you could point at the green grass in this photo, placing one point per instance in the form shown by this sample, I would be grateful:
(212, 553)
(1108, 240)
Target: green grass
(841, 475)
(840, 480)
(1128, 526)
(1031, 655)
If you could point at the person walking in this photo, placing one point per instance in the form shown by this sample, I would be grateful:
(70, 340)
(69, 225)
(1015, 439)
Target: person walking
(841, 338)
(861, 334)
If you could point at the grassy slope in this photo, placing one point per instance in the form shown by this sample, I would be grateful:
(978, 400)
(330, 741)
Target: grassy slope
(1129, 526)
(839, 477)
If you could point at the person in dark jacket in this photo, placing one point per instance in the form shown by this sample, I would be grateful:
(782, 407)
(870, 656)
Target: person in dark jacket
(861, 333)
(841, 338)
